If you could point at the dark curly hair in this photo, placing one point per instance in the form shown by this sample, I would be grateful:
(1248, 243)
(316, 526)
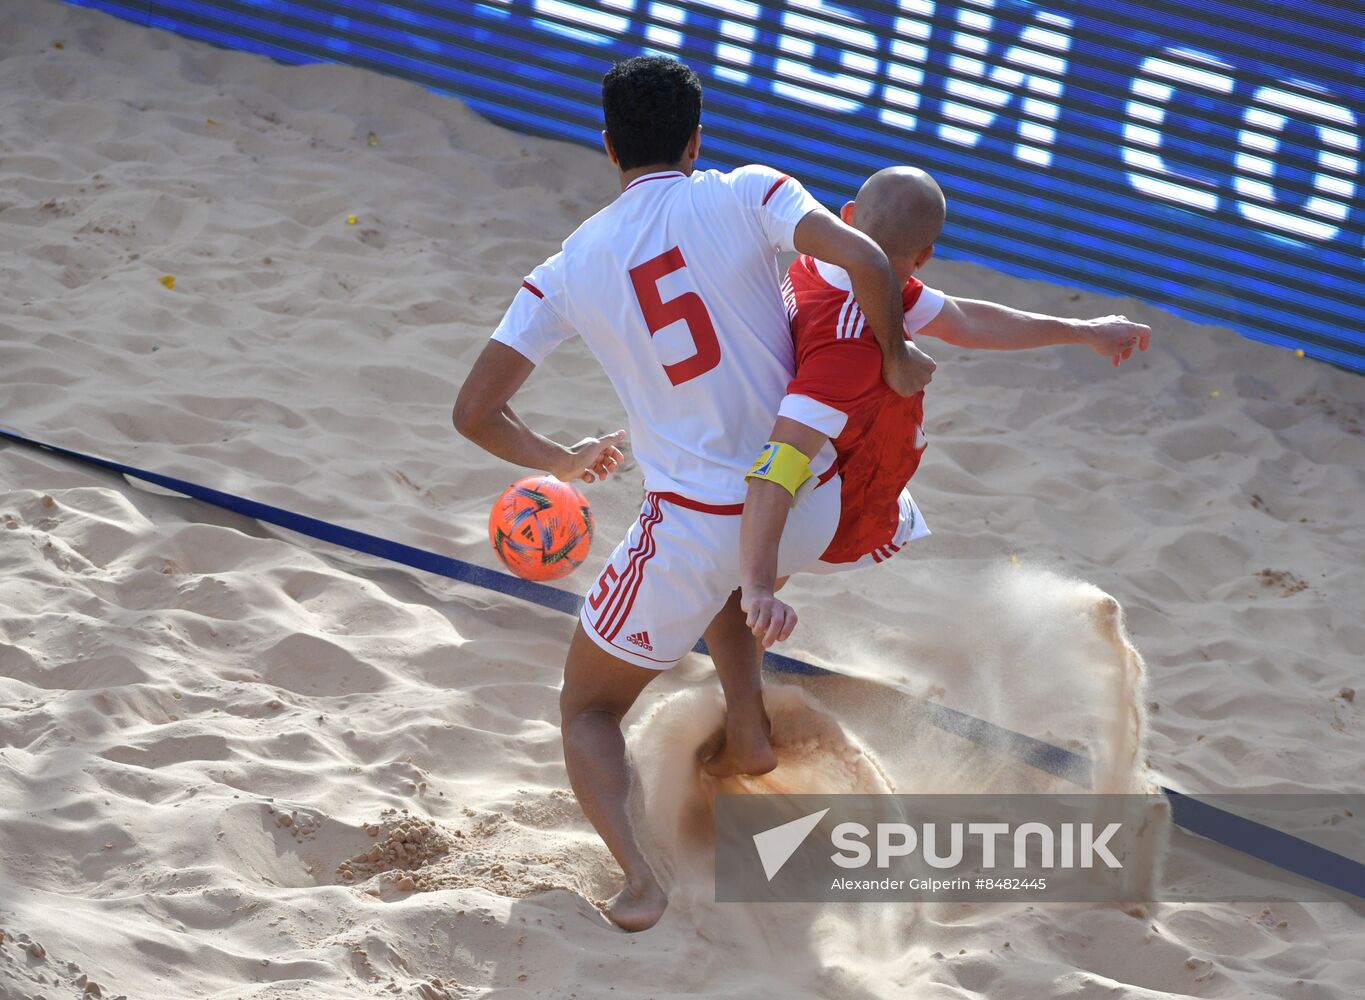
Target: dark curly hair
(652, 105)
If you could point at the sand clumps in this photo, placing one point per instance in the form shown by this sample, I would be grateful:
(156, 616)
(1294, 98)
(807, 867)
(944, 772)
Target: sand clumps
(496, 850)
(301, 824)
(405, 850)
(23, 957)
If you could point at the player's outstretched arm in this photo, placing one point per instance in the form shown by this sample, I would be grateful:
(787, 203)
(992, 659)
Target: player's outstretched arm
(766, 506)
(993, 327)
(482, 415)
(906, 368)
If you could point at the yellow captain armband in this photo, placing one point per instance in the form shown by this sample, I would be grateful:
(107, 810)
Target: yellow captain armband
(781, 464)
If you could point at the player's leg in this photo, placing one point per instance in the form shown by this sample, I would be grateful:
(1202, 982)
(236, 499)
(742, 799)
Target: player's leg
(737, 653)
(644, 613)
(598, 691)
(742, 747)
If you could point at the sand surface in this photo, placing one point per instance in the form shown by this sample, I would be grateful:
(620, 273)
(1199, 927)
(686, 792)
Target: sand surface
(223, 747)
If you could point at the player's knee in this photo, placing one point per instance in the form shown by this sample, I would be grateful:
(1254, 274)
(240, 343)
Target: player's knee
(577, 705)
(580, 724)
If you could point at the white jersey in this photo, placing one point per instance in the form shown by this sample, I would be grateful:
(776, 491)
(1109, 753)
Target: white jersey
(674, 287)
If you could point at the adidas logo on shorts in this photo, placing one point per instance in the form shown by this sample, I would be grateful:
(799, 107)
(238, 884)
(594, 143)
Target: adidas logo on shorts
(640, 639)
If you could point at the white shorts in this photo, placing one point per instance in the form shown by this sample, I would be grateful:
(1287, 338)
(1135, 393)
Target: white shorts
(679, 564)
(910, 527)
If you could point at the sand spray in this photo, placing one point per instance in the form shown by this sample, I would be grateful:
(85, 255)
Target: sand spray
(1029, 650)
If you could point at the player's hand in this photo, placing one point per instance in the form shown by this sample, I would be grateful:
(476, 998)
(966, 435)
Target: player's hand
(908, 371)
(592, 459)
(1115, 337)
(768, 618)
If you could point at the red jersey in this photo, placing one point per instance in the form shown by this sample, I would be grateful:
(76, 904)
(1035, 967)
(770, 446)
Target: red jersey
(878, 436)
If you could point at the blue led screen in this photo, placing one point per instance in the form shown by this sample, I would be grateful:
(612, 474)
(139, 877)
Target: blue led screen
(1204, 156)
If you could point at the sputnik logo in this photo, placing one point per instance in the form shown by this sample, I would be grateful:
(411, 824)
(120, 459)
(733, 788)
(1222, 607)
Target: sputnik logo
(776, 846)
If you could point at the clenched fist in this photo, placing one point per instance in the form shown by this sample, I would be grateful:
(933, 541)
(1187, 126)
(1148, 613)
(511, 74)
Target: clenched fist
(909, 371)
(1116, 337)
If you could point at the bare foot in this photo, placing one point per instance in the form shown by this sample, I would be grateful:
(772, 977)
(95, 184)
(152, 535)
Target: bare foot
(732, 757)
(637, 909)
(745, 751)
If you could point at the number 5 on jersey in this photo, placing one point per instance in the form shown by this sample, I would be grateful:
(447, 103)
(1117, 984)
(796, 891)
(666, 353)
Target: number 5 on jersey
(687, 307)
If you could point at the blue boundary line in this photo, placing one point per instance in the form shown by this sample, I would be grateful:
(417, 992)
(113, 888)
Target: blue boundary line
(1265, 843)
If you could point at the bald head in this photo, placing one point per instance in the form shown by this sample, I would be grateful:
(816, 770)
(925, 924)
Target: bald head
(902, 209)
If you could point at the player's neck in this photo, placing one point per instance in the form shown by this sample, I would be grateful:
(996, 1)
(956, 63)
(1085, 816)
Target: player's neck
(635, 173)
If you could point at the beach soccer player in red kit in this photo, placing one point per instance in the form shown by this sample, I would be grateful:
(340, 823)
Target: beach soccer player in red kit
(838, 394)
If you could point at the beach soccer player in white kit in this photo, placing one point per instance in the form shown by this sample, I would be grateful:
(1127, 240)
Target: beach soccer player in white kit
(674, 287)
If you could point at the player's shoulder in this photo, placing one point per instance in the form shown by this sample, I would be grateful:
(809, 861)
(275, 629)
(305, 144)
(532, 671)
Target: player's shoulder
(916, 293)
(910, 292)
(801, 273)
(579, 259)
(759, 171)
(922, 304)
(752, 182)
(582, 250)
(820, 308)
(809, 276)
(601, 224)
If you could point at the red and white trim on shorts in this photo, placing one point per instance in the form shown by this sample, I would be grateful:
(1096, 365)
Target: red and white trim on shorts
(616, 613)
(885, 552)
(728, 509)
(697, 505)
(613, 617)
(625, 586)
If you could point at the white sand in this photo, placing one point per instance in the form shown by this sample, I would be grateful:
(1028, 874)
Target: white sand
(199, 719)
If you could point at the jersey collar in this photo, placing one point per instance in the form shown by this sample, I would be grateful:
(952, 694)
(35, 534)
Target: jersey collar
(660, 175)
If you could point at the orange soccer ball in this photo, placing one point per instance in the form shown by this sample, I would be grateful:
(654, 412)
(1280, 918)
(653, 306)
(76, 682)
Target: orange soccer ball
(541, 528)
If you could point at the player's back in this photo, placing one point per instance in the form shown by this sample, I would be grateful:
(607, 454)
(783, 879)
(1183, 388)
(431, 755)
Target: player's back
(675, 289)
